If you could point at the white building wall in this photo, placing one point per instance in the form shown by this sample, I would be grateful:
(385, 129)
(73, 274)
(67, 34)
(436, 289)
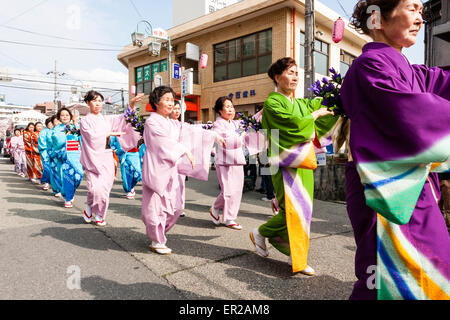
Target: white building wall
(184, 11)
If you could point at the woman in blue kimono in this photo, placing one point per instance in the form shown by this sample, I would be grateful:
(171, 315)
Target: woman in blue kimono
(55, 180)
(42, 145)
(67, 146)
(130, 167)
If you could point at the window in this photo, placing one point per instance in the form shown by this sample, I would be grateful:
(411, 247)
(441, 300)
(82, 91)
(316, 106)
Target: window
(302, 50)
(145, 75)
(320, 55)
(243, 56)
(346, 62)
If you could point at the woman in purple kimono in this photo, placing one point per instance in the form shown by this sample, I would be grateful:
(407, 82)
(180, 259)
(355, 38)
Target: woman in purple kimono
(96, 153)
(399, 138)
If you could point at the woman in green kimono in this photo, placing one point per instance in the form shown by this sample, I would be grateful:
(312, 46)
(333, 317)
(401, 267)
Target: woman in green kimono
(294, 127)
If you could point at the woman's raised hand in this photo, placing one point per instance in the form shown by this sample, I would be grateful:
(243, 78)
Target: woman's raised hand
(136, 99)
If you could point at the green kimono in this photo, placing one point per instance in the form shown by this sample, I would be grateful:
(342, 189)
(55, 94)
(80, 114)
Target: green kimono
(291, 130)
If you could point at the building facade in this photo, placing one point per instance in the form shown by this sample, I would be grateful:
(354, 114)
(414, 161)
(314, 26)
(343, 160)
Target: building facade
(241, 42)
(8, 110)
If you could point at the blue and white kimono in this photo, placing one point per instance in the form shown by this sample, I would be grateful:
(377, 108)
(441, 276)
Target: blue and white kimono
(69, 169)
(130, 165)
(55, 179)
(45, 159)
(142, 149)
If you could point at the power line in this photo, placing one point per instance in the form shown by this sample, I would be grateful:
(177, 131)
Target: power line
(343, 9)
(82, 80)
(59, 37)
(137, 11)
(29, 88)
(58, 47)
(26, 11)
(62, 84)
(15, 60)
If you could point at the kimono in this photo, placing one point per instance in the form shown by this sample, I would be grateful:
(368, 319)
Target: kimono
(97, 159)
(55, 177)
(130, 165)
(229, 162)
(399, 138)
(142, 150)
(45, 160)
(37, 163)
(116, 162)
(67, 150)
(293, 134)
(166, 142)
(18, 152)
(27, 142)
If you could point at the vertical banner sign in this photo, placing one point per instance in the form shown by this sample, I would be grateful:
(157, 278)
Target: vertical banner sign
(187, 82)
(147, 74)
(176, 71)
(138, 75)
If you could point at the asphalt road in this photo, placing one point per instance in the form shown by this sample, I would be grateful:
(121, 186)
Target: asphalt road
(48, 252)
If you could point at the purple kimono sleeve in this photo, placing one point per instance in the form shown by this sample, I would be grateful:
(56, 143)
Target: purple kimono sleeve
(395, 123)
(435, 80)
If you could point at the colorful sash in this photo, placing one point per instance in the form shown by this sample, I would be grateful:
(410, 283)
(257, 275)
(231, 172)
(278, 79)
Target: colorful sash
(301, 156)
(392, 188)
(406, 271)
(298, 206)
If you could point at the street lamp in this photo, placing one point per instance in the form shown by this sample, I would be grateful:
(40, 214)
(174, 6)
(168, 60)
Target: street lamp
(154, 47)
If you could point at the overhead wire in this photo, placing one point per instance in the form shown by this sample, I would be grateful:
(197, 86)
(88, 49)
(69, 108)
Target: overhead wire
(24, 12)
(58, 47)
(59, 37)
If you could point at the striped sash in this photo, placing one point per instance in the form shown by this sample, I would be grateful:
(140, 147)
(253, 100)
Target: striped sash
(73, 145)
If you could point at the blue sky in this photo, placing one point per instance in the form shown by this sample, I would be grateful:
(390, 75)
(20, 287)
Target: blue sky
(104, 24)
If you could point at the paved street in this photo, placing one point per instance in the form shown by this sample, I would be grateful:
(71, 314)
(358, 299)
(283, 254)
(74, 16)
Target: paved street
(41, 243)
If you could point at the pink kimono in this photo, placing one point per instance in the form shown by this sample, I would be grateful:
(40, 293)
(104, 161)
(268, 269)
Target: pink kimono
(18, 152)
(97, 160)
(163, 165)
(229, 163)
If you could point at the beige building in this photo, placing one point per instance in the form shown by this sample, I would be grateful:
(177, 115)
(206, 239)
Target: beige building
(241, 42)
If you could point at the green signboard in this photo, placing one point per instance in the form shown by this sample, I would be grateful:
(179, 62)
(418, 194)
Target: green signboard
(163, 65)
(147, 74)
(139, 75)
(155, 68)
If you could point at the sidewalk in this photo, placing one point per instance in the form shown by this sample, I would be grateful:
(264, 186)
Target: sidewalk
(40, 239)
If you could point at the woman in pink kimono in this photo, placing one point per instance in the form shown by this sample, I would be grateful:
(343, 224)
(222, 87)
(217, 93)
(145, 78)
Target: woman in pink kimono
(169, 145)
(179, 204)
(229, 163)
(18, 152)
(96, 154)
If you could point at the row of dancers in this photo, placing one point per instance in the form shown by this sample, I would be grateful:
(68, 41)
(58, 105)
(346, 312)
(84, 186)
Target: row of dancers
(63, 152)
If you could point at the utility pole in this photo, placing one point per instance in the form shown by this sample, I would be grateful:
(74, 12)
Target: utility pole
(56, 74)
(123, 100)
(309, 46)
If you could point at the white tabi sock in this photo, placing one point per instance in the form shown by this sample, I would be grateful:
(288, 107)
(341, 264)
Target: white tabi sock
(88, 210)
